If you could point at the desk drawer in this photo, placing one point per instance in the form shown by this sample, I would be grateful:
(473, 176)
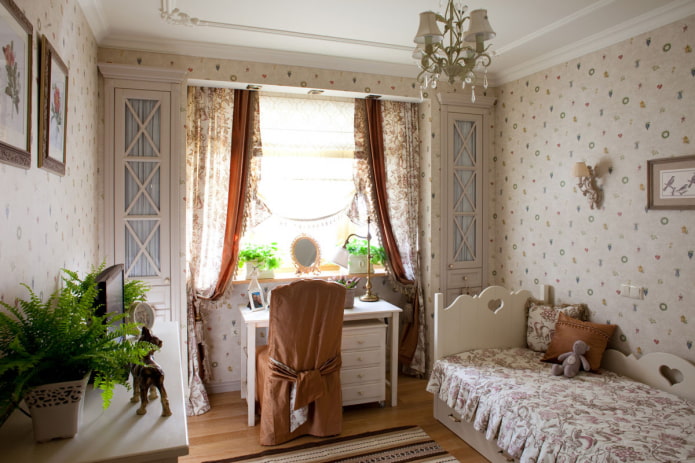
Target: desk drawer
(363, 393)
(361, 375)
(361, 358)
(363, 336)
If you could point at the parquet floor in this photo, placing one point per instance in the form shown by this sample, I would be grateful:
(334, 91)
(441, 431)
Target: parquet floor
(223, 431)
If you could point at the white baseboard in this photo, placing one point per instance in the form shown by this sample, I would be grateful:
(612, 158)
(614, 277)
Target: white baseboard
(226, 386)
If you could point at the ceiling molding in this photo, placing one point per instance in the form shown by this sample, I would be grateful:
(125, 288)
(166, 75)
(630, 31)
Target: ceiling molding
(659, 17)
(262, 55)
(93, 12)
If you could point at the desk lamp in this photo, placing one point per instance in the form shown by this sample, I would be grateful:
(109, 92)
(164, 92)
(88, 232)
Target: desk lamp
(341, 258)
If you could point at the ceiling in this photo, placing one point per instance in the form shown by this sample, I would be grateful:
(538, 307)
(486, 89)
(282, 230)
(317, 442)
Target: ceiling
(373, 36)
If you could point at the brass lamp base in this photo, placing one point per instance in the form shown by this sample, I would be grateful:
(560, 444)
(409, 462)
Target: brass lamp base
(369, 297)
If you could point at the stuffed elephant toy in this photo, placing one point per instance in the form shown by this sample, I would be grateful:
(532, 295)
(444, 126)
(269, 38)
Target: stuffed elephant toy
(573, 361)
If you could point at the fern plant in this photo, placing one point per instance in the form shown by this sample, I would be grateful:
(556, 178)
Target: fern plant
(61, 339)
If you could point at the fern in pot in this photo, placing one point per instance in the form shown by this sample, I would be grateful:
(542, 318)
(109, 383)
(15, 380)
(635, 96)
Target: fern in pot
(61, 342)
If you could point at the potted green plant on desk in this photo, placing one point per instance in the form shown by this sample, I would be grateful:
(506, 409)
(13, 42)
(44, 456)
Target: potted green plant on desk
(262, 258)
(350, 285)
(357, 248)
(49, 349)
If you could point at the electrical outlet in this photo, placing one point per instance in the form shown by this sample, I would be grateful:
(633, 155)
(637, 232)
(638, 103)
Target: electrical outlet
(636, 292)
(625, 290)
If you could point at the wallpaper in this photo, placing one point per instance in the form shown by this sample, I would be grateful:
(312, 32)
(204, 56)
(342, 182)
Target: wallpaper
(49, 222)
(615, 109)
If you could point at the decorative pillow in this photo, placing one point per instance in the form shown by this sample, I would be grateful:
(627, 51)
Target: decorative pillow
(541, 319)
(568, 330)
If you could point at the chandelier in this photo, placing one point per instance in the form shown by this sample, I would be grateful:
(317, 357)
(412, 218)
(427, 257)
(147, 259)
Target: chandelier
(456, 54)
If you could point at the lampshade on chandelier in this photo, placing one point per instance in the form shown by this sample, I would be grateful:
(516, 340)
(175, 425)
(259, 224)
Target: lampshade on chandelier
(457, 54)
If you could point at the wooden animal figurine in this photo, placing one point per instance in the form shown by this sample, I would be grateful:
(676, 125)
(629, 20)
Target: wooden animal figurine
(149, 377)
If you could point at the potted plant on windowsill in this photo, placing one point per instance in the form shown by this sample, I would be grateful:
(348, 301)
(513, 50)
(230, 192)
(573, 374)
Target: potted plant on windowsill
(357, 261)
(55, 345)
(260, 257)
(350, 285)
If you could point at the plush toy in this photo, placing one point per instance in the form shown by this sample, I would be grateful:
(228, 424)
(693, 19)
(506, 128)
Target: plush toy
(573, 361)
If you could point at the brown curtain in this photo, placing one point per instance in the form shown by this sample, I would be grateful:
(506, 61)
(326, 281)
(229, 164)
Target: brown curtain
(239, 167)
(412, 338)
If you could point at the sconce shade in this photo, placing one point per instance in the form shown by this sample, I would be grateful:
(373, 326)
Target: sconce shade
(479, 28)
(428, 32)
(419, 51)
(580, 170)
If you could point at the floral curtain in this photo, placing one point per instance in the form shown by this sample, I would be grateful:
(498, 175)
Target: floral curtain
(386, 139)
(219, 139)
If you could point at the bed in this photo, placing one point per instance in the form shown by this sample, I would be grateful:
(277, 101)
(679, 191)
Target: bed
(497, 395)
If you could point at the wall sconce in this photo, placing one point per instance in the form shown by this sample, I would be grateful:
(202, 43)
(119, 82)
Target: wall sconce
(587, 183)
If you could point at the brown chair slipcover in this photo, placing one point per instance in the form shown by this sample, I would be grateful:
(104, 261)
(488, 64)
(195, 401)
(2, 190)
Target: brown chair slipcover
(304, 336)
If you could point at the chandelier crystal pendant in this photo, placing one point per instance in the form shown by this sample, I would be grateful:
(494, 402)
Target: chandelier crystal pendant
(456, 54)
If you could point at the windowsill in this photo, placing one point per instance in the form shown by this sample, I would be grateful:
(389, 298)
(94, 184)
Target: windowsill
(327, 274)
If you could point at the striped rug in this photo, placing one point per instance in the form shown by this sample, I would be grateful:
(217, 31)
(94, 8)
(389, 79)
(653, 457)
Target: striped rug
(395, 445)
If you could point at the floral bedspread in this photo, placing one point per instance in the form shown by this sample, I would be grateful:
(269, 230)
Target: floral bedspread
(536, 417)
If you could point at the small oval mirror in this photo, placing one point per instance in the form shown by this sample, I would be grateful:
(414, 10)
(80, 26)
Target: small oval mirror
(306, 255)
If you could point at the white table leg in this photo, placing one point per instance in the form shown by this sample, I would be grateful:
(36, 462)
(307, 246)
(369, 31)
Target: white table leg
(394, 359)
(251, 373)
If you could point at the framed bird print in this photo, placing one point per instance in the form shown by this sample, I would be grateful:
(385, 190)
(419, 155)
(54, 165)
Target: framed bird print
(671, 183)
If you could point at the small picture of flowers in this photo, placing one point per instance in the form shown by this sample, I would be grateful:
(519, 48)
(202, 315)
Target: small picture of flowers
(15, 85)
(53, 110)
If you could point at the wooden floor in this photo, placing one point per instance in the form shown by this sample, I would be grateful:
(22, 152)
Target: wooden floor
(223, 431)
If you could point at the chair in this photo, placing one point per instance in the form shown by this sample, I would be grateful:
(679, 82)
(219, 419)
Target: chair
(298, 377)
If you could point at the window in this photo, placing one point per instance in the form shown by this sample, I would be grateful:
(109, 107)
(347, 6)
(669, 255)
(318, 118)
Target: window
(306, 172)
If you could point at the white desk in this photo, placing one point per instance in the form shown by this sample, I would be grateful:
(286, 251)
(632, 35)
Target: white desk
(361, 311)
(116, 434)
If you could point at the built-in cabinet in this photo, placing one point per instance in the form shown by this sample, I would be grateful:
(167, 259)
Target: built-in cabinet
(464, 147)
(142, 149)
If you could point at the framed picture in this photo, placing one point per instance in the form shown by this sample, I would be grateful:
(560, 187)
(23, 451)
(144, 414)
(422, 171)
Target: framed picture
(16, 40)
(53, 114)
(256, 299)
(671, 183)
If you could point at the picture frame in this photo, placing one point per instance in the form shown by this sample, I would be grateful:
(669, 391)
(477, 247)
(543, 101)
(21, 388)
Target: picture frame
(53, 104)
(671, 183)
(17, 42)
(256, 300)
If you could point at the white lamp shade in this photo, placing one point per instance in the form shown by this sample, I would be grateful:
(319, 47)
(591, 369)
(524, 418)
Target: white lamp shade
(428, 32)
(341, 257)
(479, 27)
(580, 170)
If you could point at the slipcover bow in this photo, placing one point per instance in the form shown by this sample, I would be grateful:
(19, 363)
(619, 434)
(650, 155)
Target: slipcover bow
(309, 384)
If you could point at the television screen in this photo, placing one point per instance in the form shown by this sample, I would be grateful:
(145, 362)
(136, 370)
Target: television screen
(110, 290)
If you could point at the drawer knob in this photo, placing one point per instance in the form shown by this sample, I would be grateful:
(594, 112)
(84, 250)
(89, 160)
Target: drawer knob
(359, 359)
(360, 342)
(359, 393)
(465, 278)
(360, 375)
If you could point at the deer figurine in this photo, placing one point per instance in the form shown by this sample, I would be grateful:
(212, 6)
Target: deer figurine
(149, 377)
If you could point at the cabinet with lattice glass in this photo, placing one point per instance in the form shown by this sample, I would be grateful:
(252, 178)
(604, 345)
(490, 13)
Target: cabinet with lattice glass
(141, 148)
(464, 146)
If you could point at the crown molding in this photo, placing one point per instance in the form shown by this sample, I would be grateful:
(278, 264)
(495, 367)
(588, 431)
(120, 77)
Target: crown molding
(656, 18)
(261, 55)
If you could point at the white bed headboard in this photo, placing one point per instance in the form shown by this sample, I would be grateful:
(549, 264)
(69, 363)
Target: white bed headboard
(494, 318)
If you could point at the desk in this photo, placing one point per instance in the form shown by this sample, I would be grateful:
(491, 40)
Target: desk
(116, 434)
(361, 311)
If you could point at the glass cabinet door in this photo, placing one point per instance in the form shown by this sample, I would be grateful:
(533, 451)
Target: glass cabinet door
(141, 155)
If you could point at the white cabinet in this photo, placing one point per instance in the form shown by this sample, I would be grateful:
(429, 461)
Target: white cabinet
(142, 154)
(363, 350)
(465, 146)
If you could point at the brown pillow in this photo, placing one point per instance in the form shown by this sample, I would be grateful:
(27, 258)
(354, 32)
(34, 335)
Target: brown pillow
(568, 330)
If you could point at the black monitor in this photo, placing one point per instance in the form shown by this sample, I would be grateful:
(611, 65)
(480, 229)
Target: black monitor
(110, 290)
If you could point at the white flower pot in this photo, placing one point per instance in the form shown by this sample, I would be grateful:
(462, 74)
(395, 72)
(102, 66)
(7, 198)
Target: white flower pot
(251, 265)
(56, 409)
(357, 264)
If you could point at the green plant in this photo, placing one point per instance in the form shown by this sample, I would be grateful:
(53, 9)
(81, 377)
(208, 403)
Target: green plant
(133, 290)
(264, 254)
(358, 247)
(61, 339)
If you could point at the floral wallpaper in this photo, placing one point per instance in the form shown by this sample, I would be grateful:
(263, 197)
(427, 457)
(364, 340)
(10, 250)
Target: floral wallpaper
(616, 109)
(49, 222)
